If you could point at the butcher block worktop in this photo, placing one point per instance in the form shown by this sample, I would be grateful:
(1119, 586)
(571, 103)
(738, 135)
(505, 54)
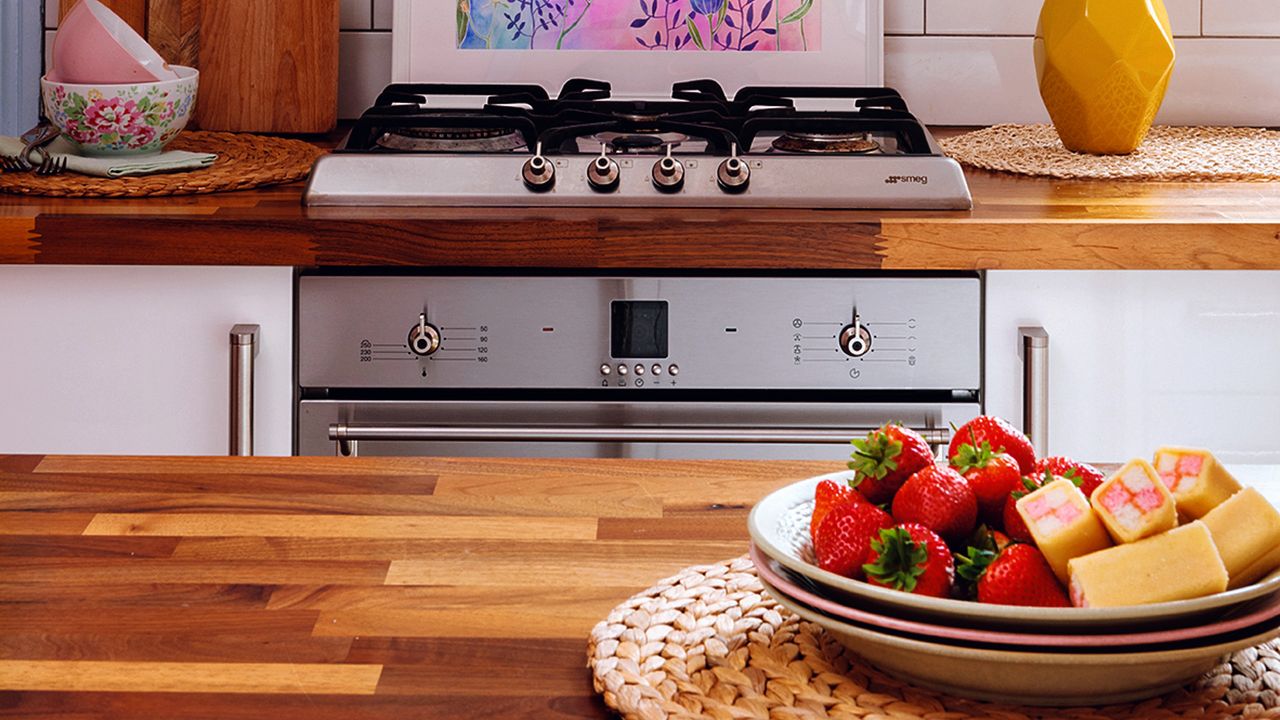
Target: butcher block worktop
(323, 588)
(1017, 223)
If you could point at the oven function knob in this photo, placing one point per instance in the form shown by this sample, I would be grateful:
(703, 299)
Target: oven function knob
(855, 339)
(424, 338)
(668, 173)
(602, 173)
(539, 174)
(733, 174)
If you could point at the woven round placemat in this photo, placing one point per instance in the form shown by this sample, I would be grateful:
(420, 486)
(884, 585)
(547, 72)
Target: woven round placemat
(708, 643)
(1184, 154)
(244, 162)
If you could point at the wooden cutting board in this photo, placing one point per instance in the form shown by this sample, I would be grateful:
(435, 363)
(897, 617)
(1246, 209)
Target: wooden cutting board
(173, 29)
(265, 65)
(133, 12)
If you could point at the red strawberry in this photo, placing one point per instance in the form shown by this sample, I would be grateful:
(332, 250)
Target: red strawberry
(1014, 526)
(940, 499)
(1019, 575)
(1086, 477)
(844, 537)
(885, 459)
(911, 558)
(827, 495)
(992, 476)
(1003, 437)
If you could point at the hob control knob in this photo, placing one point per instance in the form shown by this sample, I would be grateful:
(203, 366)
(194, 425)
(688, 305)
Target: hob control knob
(602, 173)
(733, 174)
(539, 174)
(424, 338)
(668, 174)
(855, 339)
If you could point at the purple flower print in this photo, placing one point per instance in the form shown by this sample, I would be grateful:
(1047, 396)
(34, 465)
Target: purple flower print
(706, 7)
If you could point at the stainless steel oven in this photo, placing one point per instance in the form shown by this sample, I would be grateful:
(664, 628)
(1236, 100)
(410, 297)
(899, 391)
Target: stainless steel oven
(678, 366)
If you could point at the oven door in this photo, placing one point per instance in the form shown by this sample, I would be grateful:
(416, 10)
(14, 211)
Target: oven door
(676, 430)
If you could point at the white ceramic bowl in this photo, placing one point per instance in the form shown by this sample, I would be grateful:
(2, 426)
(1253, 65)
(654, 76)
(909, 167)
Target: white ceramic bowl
(113, 120)
(779, 526)
(1028, 677)
(94, 45)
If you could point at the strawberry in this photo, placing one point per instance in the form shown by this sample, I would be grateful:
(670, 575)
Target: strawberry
(1086, 477)
(1003, 437)
(940, 499)
(843, 540)
(1019, 575)
(827, 495)
(992, 475)
(1013, 524)
(885, 459)
(911, 558)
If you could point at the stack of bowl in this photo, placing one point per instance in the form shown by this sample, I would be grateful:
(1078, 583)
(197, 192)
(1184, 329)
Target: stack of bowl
(1005, 653)
(108, 91)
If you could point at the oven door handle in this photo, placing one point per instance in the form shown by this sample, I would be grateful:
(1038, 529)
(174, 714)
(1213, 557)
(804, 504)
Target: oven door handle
(349, 436)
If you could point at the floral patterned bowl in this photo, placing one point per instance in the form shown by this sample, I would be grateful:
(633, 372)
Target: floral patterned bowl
(113, 120)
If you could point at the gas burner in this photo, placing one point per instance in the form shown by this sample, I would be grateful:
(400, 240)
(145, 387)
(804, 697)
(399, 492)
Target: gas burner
(638, 143)
(452, 139)
(825, 143)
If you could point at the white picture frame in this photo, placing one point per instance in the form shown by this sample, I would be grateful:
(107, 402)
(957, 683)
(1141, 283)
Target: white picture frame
(424, 49)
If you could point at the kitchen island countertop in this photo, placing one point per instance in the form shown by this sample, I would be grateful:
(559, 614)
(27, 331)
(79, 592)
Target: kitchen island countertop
(1016, 223)
(236, 588)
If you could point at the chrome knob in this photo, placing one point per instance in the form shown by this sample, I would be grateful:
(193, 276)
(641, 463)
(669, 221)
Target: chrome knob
(538, 173)
(733, 175)
(668, 173)
(602, 173)
(855, 339)
(424, 338)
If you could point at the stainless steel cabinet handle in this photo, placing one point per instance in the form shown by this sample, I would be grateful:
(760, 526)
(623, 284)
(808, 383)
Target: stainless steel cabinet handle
(1035, 387)
(244, 348)
(348, 436)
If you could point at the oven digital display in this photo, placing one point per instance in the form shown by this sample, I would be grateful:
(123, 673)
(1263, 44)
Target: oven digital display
(638, 329)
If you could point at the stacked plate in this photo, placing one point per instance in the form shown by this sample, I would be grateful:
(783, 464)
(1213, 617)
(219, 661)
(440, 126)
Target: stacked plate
(1005, 653)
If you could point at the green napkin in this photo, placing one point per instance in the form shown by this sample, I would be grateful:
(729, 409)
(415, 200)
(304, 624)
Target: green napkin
(114, 167)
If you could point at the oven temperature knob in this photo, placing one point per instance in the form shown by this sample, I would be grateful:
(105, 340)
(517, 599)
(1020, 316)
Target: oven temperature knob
(539, 174)
(424, 338)
(668, 173)
(602, 173)
(855, 339)
(733, 174)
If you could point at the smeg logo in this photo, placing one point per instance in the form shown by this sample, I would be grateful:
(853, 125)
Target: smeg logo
(899, 179)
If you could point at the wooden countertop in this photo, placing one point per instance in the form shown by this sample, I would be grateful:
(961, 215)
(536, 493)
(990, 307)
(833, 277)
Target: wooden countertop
(1017, 223)
(325, 588)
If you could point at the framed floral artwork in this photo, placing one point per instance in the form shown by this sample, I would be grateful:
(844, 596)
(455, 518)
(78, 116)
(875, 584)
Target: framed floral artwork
(640, 46)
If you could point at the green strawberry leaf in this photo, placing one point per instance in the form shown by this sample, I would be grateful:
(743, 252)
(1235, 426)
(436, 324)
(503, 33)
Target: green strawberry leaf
(899, 559)
(875, 456)
(973, 563)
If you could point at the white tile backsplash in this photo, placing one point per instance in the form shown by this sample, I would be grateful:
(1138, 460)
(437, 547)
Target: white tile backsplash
(904, 17)
(364, 69)
(982, 17)
(51, 13)
(382, 13)
(1184, 16)
(355, 14)
(1242, 17)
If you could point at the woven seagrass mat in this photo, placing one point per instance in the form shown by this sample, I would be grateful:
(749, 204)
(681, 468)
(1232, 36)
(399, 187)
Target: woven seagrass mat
(244, 162)
(1184, 154)
(708, 643)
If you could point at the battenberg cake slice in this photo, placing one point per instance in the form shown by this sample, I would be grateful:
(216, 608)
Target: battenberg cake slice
(1177, 565)
(1246, 530)
(1062, 524)
(1134, 503)
(1197, 480)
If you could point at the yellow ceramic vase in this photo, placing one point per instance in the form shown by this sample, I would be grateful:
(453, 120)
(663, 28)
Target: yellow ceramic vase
(1103, 67)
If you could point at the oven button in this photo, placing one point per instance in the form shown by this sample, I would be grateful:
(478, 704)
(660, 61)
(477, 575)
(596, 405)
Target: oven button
(639, 369)
(673, 369)
(622, 369)
(657, 369)
(605, 369)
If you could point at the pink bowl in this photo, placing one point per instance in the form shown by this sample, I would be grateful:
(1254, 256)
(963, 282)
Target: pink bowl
(1266, 610)
(95, 46)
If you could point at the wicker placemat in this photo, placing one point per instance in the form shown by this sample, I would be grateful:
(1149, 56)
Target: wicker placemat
(708, 643)
(1184, 154)
(244, 162)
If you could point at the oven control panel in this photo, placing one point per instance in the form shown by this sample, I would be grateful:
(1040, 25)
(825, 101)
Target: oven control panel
(640, 333)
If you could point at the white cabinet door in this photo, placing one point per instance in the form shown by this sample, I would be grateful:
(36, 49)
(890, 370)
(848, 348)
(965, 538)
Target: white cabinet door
(1140, 359)
(135, 360)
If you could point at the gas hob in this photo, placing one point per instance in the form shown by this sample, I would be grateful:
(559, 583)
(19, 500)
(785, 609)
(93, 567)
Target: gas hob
(426, 145)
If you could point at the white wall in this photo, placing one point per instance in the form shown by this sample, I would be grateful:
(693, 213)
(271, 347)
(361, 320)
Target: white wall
(1141, 358)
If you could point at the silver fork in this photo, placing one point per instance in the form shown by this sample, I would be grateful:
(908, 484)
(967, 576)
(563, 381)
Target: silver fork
(14, 163)
(52, 165)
